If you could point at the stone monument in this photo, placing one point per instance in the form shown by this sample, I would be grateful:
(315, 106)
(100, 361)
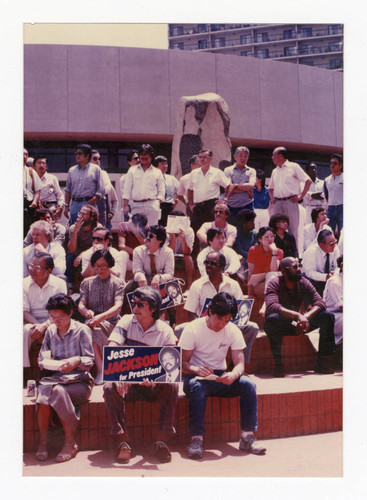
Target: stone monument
(202, 123)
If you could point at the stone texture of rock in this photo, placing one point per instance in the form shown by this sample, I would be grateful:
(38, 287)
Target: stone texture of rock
(202, 122)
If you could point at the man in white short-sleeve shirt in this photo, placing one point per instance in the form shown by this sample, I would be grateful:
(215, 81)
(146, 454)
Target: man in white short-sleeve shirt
(205, 343)
(284, 189)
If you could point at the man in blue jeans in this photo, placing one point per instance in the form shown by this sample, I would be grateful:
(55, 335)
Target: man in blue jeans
(205, 343)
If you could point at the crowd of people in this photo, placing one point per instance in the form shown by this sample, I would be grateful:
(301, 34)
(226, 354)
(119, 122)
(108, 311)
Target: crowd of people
(233, 237)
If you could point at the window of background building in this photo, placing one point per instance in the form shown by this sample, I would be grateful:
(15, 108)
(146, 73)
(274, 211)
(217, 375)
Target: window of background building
(245, 39)
(179, 46)
(262, 37)
(219, 42)
(335, 46)
(202, 44)
(336, 63)
(305, 32)
(203, 28)
(334, 29)
(178, 30)
(217, 27)
(288, 34)
(290, 51)
(244, 53)
(263, 53)
(305, 49)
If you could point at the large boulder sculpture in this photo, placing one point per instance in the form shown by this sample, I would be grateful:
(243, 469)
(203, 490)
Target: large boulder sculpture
(202, 122)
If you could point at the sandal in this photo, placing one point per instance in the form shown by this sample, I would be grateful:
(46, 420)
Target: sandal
(69, 450)
(42, 453)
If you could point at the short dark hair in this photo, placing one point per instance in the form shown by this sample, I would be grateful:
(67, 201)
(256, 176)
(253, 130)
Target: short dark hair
(158, 159)
(212, 232)
(321, 237)
(39, 157)
(337, 157)
(86, 148)
(139, 220)
(262, 231)
(105, 254)
(40, 213)
(281, 150)
(172, 283)
(222, 260)
(146, 148)
(277, 218)
(47, 259)
(152, 296)
(131, 153)
(222, 304)
(315, 213)
(312, 164)
(61, 301)
(169, 349)
(244, 215)
(160, 233)
(339, 261)
(210, 153)
(94, 151)
(260, 174)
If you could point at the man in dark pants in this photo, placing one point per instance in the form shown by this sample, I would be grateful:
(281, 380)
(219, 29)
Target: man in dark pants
(143, 327)
(284, 297)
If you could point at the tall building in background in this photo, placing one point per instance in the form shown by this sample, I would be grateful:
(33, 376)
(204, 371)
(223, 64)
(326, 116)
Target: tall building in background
(319, 45)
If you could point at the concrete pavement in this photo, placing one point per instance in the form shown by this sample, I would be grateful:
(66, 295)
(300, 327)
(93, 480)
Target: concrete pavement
(318, 455)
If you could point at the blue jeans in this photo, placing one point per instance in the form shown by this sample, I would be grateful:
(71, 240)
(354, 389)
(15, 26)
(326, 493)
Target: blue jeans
(198, 392)
(335, 214)
(75, 208)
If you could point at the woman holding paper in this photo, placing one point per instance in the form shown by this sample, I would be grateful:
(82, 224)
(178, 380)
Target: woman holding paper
(100, 303)
(67, 350)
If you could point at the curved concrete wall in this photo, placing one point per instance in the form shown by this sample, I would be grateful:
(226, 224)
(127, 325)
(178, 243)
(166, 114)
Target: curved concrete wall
(115, 93)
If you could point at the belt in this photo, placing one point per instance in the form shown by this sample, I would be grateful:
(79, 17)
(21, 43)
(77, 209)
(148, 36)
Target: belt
(82, 199)
(284, 199)
(142, 201)
(48, 203)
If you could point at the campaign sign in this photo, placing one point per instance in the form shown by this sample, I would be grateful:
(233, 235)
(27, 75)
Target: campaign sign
(171, 294)
(243, 315)
(135, 363)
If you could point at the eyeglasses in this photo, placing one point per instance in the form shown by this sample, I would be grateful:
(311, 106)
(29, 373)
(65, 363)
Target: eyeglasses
(96, 158)
(139, 304)
(60, 318)
(150, 235)
(101, 266)
(333, 163)
(209, 262)
(203, 157)
(97, 238)
(79, 153)
(219, 212)
(37, 267)
(295, 266)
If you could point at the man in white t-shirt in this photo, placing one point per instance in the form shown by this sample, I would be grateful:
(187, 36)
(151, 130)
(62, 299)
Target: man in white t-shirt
(205, 343)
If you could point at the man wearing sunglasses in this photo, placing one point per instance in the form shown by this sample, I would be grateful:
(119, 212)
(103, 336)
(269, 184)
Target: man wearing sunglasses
(285, 297)
(221, 214)
(153, 263)
(143, 327)
(84, 183)
(101, 240)
(333, 189)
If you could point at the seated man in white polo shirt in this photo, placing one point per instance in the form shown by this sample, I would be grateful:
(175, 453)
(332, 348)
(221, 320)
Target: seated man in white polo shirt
(207, 286)
(38, 287)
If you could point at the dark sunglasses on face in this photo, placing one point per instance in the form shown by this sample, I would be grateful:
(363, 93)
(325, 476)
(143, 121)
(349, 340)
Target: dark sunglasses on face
(295, 266)
(150, 235)
(96, 158)
(78, 153)
(218, 212)
(97, 238)
(209, 262)
(139, 304)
